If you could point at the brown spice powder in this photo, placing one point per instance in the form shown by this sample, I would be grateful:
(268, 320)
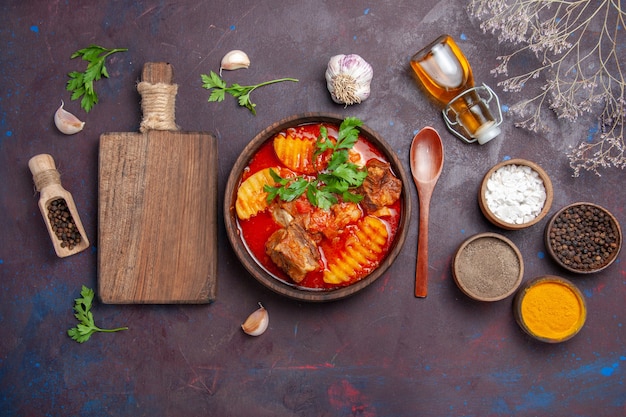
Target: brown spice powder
(487, 267)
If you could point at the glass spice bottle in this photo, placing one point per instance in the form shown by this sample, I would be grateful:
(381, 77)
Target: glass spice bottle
(446, 74)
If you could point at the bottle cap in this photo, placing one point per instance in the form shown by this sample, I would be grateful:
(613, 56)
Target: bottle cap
(487, 132)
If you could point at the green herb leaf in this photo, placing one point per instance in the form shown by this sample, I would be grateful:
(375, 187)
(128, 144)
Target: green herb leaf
(351, 197)
(324, 199)
(333, 184)
(81, 83)
(219, 89)
(323, 142)
(348, 133)
(337, 159)
(338, 178)
(287, 189)
(86, 326)
(212, 81)
(350, 173)
(295, 189)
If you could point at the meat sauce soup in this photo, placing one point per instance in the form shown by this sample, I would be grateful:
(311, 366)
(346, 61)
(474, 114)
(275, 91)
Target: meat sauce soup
(257, 230)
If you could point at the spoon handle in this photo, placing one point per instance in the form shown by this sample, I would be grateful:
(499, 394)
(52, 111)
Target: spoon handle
(421, 268)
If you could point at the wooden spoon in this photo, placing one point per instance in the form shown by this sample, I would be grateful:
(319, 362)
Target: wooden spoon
(426, 165)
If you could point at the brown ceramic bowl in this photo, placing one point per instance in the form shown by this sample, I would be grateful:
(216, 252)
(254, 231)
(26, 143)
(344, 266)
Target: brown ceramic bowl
(493, 218)
(488, 267)
(254, 267)
(575, 256)
(550, 309)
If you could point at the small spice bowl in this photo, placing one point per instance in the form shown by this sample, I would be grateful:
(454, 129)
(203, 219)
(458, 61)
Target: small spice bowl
(488, 267)
(505, 184)
(550, 309)
(583, 238)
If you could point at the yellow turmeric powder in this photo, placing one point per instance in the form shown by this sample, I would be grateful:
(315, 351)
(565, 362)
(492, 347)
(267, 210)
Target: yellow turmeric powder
(553, 310)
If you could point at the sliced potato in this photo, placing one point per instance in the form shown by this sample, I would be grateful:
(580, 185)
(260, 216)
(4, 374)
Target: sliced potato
(251, 198)
(295, 151)
(361, 249)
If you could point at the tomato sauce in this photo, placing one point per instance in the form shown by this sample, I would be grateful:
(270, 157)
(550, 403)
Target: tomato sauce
(257, 230)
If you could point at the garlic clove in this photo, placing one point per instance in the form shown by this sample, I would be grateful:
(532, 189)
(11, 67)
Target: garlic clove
(233, 60)
(66, 122)
(257, 322)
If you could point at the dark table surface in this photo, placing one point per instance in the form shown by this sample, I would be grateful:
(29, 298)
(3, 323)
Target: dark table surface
(381, 352)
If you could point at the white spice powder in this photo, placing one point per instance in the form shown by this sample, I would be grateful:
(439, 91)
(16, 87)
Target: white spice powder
(515, 194)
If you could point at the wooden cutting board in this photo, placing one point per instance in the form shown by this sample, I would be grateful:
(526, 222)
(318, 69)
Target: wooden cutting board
(157, 211)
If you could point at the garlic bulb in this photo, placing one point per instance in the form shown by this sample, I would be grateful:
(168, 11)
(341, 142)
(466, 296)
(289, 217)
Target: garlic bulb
(348, 79)
(257, 322)
(233, 60)
(66, 122)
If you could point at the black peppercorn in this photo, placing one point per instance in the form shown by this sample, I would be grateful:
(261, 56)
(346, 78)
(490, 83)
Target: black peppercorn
(584, 238)
(62, 224)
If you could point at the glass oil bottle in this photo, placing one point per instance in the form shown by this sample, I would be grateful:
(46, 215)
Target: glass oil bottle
(446, 74)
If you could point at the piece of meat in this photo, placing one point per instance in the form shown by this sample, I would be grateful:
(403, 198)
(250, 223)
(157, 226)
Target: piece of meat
(381, 187)
(294, 251)
(317, 222)
(345, 213)
(297, 211)
(280, 215)
(342, 214)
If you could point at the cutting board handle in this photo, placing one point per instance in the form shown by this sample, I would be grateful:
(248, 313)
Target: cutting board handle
(158, 97)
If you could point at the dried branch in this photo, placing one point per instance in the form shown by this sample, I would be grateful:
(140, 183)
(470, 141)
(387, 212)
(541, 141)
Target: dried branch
(578, 46)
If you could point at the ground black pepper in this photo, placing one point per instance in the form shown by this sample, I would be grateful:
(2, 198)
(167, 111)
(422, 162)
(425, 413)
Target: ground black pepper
(487, 268)
(584, 237)
(63, 224)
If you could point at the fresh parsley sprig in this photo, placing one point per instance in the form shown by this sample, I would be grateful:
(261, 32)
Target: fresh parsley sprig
(219, 88)
(339, 178)
(86, 326)
(81, 83)
(288, 189)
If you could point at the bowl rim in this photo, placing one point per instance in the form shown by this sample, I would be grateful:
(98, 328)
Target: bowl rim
(547, 183)
(555, 258)
(248, 261)
(521, 293)
(472, 239)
